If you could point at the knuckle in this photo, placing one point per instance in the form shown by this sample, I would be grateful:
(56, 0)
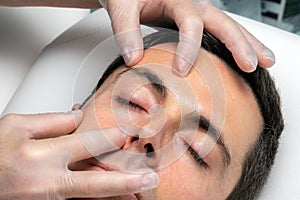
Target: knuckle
(11, 123)
(229, 42)
(26, 153)
(119, 10)
(92, 186)
(67, 185)
(229, 34)
(191, 23)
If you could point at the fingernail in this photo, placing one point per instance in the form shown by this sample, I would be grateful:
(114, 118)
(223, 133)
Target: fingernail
(150, 181)
(268, 54)
(252, 63)
(77, 116)
(182, 68)
(131, 57)
(128, 57)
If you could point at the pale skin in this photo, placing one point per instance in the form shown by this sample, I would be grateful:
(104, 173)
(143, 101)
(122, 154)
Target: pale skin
(27, 130)
(183, 178)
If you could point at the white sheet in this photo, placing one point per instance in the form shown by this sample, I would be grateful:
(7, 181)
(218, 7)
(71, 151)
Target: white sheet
(49, 87)
(24, 32)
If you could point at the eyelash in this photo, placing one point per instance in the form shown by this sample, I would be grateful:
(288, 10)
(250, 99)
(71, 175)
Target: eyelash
(195, 155)
(134, 106)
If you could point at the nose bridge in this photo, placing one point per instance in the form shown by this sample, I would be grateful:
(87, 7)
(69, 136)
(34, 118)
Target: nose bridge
(160, 131)
(155, 139)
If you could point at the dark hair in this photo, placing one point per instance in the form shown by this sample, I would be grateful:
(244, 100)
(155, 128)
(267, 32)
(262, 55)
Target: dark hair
(260, 157)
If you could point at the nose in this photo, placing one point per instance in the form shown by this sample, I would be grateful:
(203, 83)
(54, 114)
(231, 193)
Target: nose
(155, 140)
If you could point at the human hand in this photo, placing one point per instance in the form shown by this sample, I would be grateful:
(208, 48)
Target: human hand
(35, 151)
(190, 17)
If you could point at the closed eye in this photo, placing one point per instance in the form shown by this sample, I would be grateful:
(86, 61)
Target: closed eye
(196, 156)
(132, 105)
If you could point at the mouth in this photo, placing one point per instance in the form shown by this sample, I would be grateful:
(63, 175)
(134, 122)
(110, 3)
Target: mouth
(106, 167)
(99, 166)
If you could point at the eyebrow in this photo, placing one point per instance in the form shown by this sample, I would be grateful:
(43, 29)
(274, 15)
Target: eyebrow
(203, 123)
(156, 82)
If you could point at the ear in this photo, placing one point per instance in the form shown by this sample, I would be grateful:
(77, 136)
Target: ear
(76, 106)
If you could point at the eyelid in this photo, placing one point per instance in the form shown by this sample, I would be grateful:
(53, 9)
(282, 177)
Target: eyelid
(194, 141)
(196, 156)
(126, 102)
(142, 96)
(197, 146)
(144, 100)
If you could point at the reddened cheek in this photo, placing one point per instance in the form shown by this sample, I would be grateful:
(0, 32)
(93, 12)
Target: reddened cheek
(104, 116)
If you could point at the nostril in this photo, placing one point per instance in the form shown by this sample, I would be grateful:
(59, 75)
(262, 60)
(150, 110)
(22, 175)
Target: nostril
(135, 138)
(149, 150)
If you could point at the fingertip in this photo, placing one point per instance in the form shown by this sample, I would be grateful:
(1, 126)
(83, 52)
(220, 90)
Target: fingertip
(181, 67)
(77, 116)
(141, 182)
(251, 64)
(249, 67)
(186, 54)
(149, 181)
(268, 58)
(120, 138)
(247, 60)
(131, 45)
(133, 57)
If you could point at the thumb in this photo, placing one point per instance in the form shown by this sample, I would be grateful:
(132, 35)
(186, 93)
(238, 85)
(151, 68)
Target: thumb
(92, 184)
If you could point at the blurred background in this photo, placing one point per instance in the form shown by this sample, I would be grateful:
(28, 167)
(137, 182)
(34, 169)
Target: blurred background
(284, 14)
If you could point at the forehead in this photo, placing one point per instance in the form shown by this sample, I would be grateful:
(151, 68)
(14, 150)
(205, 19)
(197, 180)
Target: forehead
(220, 92)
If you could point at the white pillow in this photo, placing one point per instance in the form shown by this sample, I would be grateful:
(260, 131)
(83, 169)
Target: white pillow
(52, 86)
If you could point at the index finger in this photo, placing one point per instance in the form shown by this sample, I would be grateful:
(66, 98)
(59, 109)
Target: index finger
(228, 31)
(79, 146)
(126, 28)
(190, 25)
(48, 125)
(107, 183)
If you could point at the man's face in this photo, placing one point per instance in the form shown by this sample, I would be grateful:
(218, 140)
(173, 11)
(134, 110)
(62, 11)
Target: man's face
(194, 131)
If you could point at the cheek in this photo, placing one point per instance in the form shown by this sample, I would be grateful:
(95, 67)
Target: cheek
(103, 112)
(97, 114)
(181, 181)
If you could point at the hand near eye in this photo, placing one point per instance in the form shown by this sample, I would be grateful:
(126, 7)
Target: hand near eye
(35, 151)
(190, 17)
